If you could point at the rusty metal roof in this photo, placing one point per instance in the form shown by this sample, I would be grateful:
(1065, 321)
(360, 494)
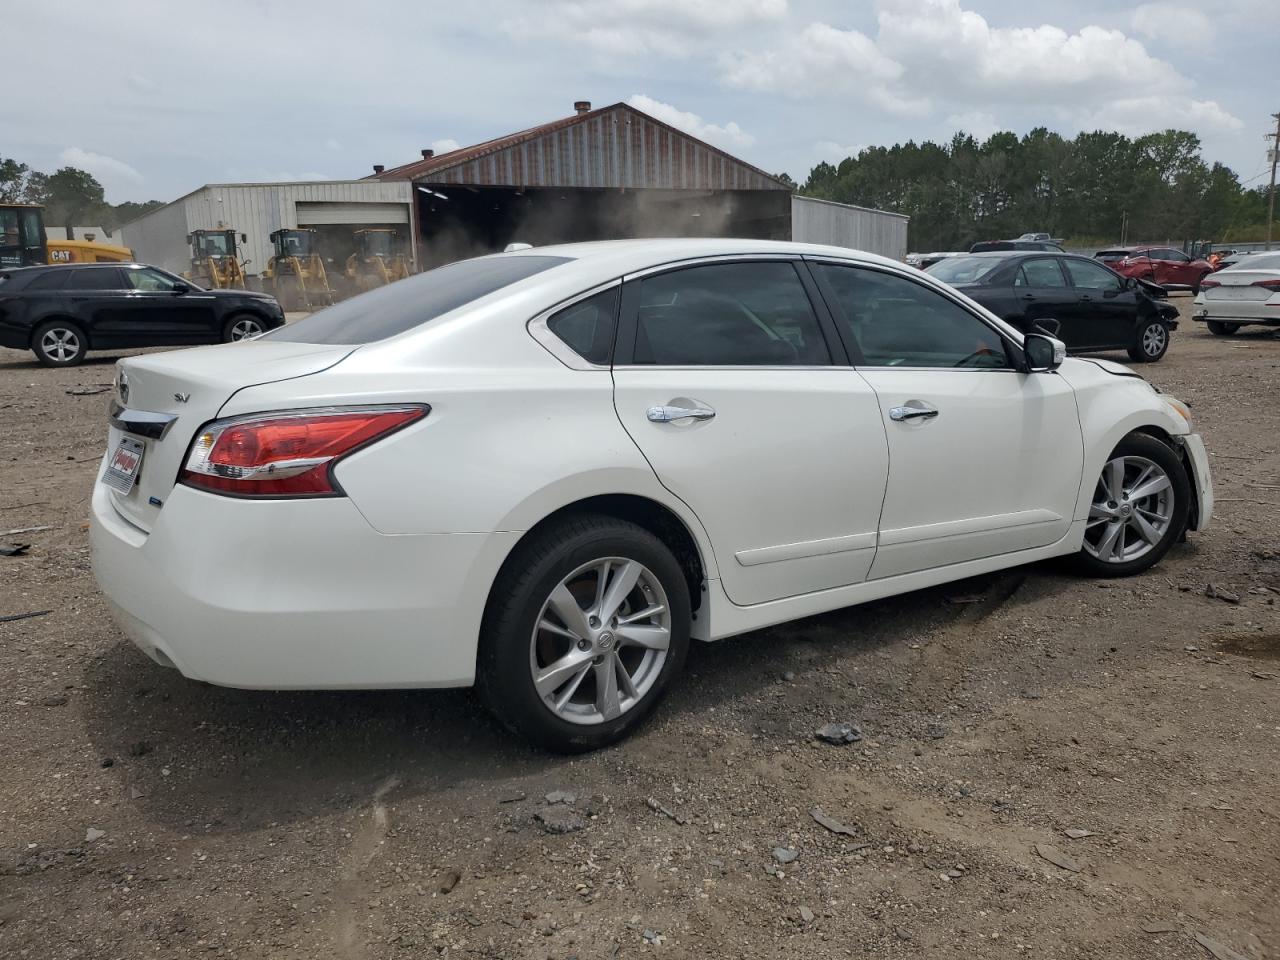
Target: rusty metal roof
(584, 150)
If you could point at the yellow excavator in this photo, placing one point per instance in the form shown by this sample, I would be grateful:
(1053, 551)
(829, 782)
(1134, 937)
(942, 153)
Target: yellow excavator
(215, 259)
(377, 260)
(296, 274)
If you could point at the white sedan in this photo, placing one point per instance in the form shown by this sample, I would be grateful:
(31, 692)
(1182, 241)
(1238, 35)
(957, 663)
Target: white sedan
(545, 472)
(1247, 292)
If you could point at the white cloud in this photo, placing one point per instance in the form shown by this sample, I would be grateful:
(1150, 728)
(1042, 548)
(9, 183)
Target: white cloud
(833, 152)
(823, 59)
(1175, 24)
(1138, 115)
(728, 137)
(974, 122)
(444, 146)
(104, 168)
(640, 28)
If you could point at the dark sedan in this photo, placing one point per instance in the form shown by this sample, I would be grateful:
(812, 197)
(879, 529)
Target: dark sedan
(1086, 305)
(62, 312)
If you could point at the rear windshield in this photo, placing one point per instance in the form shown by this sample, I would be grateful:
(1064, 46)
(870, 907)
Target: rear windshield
(403, 305)
(1257, 261)
(964, 269)
(1111, 254)
(986, 246)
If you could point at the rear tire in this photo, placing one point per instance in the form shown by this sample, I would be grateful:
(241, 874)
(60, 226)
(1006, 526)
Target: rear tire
(572, 680)
(242, 326)
(1127, 534)
(59, 343)
(1150, 343)
(1220, 328)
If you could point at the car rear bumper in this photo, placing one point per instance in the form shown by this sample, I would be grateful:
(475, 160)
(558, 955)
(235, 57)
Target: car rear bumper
(297, 594)
(1235, 311)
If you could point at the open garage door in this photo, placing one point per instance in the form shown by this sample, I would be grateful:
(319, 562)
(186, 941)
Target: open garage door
(314, 214)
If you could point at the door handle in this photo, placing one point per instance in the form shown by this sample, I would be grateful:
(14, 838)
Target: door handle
(676, 410)
(912, 410)
(1028, 296)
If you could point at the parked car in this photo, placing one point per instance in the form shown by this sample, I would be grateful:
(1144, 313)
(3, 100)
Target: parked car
(1078, 300)
(62, 312)
(1037, 236)
(992, 246)
(923, 261)
(1166, 266)
(1247, 292)
(524, 472)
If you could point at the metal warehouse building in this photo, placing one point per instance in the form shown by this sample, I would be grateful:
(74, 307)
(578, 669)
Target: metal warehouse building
(609, 173)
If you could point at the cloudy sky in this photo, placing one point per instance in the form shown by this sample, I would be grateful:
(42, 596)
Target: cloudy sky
(157, 99)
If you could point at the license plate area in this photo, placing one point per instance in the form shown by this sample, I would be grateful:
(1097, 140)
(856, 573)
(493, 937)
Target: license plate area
(123, 467)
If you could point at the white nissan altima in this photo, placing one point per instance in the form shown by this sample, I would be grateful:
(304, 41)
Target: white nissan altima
(545, 472)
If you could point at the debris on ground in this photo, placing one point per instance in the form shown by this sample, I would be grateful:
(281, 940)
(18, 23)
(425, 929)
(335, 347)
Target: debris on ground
(25, 616)
(561, 796)
(13, 549)
(1217, 593)
(785, 855)
(87, 391)
(832, 824)
(1057, 858)
(558, 820)
(839, 733)
(1220, 951)
(93, 833)
(667, 812)
(806, 915)
(653, 938)
(449, 880)
(514, 797)
(17, 530)
(1075, 833)
(935, 731)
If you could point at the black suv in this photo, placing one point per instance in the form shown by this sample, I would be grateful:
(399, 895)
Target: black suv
(62, 312)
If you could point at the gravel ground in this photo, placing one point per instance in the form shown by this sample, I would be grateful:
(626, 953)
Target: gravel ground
(142, 814)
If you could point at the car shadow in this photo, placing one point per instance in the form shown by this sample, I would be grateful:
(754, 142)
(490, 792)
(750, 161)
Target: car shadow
(190, 755)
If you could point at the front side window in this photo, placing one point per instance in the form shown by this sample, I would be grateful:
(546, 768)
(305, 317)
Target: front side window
(896, 322)
(1090, 276)
(1040, 273)
(587, 326)
(728, 314)
(150, 281)
(97, 278)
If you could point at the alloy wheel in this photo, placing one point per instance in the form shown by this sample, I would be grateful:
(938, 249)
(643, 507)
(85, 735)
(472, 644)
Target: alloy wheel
(1132, 510)
(60, 343)
(1154, 339)
(600, 641)
(245, 329)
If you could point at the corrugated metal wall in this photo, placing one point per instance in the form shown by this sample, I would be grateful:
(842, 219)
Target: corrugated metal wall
(254, 209)
(842, 225)
(620, 149)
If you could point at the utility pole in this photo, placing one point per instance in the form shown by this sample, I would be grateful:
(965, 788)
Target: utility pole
(1275, 155)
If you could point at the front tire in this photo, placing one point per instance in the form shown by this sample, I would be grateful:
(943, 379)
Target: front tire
(1220, 328)
(58, 343)
(586, 625)
(1150, 343)
(242, 327)
(1139, 510)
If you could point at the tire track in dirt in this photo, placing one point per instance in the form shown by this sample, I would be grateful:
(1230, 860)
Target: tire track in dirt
(352, 889)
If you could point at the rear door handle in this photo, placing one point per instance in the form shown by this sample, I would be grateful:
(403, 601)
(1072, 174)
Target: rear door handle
(912, 410)
(680, 409)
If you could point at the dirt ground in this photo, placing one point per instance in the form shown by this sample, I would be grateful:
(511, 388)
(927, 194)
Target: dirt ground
(144, 815)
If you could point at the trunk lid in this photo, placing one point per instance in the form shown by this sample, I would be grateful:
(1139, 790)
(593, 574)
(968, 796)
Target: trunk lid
(1239, 285)
(193, 385)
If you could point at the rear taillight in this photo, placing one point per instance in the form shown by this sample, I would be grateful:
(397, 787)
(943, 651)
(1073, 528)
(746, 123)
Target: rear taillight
(289, 454)
(1206, 284)
(1269, 284)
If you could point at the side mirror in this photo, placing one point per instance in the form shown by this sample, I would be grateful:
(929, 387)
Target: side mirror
(1042, 353)
(244, 238)
(179, 289)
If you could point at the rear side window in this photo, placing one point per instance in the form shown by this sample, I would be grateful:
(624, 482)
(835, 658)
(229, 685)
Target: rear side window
(1040, 273)
(53, 280)
(406, 304)
(728, 314)
(587, 326)
(97, 278)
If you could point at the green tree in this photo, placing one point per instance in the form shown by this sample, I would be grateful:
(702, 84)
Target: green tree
(19, 183)
(73, 197)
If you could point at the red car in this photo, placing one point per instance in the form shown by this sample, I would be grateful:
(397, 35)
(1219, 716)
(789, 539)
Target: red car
(1163, 265)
